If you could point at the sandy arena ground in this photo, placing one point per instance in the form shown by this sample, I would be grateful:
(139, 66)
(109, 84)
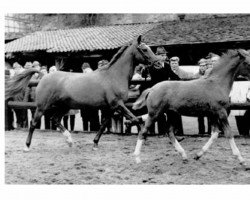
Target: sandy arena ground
(51, 161)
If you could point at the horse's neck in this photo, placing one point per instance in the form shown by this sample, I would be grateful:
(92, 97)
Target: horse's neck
(225, 75)
(122, 69)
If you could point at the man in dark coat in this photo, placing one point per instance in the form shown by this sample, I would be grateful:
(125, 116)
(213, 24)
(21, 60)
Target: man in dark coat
(161, 74)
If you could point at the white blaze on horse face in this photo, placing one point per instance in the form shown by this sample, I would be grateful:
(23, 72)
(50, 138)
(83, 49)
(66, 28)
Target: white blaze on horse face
(179, 149)
(236, 151)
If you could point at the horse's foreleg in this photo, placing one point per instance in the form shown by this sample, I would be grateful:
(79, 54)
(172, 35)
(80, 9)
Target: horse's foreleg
(228, 133)
(141, 138)
(37, 116)
(236, 151)
(100, 132)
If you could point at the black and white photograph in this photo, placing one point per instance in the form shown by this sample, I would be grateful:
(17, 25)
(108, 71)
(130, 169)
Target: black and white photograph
(126, 98)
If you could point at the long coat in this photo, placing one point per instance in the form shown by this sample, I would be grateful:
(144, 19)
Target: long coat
(161, 74)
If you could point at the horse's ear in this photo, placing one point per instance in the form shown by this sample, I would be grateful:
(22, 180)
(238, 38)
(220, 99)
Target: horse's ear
(139, 40)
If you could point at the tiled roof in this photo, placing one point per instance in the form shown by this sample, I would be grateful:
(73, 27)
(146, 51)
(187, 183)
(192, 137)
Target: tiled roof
(206, 30)
(79, 39)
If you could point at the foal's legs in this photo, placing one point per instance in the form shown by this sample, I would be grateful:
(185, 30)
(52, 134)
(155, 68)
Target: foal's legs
(38, 114)
(142, 136)
(214, 136)
(229, 135)
(176, 144)
(223, 123)
(57, 119)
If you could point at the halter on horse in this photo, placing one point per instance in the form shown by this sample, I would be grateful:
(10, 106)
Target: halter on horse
(208, 96)
(103, 88)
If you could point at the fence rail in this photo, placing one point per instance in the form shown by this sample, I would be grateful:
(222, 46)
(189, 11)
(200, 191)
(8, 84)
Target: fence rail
(32, 105)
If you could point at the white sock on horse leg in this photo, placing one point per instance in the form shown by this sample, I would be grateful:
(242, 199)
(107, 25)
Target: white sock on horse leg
(138, 147)
(67, 134)
(179, 149)
(214, 136)
(138, 150)
(236, 151)
(144, 117)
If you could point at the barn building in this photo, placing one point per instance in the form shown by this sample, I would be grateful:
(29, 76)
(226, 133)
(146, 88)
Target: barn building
(188, 38)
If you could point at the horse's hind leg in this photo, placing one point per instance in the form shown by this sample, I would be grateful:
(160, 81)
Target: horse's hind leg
(37, 116)
(142, 136)
(127, 113)
(176, 144)
(171, 121)
(57, 119)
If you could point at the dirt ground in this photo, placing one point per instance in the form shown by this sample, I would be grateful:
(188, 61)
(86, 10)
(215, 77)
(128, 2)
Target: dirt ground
(51, 161)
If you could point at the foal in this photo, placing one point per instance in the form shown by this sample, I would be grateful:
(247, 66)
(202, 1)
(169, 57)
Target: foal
(207, 96)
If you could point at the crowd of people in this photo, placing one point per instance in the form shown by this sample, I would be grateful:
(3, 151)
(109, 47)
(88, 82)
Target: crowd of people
(169, 70)
(90, 116)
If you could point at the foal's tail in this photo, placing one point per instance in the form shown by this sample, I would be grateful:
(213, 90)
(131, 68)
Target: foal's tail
(141, 101)
(16, 86)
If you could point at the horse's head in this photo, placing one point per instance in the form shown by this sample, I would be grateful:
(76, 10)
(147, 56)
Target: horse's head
(244, 68)
(144, 54)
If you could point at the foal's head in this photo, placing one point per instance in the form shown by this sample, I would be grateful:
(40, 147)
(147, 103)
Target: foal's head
(244, 69)
(234, 61)
(143, 54)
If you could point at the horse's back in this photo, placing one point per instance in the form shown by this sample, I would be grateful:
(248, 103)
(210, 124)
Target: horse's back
(184, 96)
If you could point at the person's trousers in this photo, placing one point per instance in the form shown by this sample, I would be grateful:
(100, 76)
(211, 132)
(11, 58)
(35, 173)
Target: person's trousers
(72, 121)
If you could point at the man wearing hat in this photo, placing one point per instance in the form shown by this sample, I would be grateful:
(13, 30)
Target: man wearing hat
(157, 75)
(163, 73)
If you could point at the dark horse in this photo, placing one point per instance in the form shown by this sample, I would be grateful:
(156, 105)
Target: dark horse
(103, 88)
(208, 96)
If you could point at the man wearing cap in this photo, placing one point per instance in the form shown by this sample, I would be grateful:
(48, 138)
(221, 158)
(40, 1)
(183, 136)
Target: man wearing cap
(163, 73)
(157, 75)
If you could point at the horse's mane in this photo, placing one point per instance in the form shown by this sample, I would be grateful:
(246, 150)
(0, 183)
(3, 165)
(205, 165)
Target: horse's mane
(115, 57)
(223, 60)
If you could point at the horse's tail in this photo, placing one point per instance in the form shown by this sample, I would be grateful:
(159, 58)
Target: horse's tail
(141, 101)
(16, 86)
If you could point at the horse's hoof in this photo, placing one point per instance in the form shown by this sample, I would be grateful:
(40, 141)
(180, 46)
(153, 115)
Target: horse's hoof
(95, 147)
(244, 166)
(137, 160)
(26, 149)
(197, 157)
(70, 143)
(185, 160)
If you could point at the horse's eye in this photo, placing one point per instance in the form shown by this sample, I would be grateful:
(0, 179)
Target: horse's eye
(144, 50)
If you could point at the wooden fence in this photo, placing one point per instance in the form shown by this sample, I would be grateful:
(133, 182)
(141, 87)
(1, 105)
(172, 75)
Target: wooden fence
(31, 105)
